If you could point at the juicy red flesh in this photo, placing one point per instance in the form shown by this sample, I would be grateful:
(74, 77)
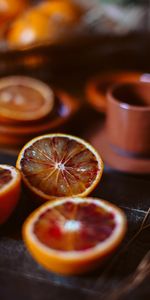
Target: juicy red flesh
(59, 166)
(5, 177)
(94, 225)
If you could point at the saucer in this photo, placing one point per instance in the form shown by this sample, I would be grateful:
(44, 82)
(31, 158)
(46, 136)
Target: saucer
(65, 106)
(116, 160)
(97, 87)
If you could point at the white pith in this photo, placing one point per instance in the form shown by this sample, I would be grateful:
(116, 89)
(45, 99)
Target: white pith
(69, 255)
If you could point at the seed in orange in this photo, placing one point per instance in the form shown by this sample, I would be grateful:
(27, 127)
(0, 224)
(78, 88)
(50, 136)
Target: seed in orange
(74, 235)
(10, 183)
(24, 99)
(59, 165)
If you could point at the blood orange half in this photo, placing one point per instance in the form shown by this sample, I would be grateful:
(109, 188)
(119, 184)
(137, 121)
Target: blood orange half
(10, 182)
(74, 235)
(24, 99)
(59, 165)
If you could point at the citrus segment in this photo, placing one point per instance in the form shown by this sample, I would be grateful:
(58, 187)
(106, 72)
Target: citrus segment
(73, 235)
(10, 182)
(59, 165)
(24, 99)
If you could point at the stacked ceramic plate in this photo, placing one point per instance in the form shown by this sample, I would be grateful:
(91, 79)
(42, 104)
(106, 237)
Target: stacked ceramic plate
(29, 107)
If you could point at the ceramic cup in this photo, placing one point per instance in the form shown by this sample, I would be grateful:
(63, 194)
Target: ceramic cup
(128, 118)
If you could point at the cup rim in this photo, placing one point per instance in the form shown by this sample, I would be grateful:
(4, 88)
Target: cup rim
(125, 105)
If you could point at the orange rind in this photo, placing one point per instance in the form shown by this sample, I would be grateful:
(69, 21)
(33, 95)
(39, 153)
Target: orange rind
(74, 235)
(24, 99)
(10, 188)
(59, 165)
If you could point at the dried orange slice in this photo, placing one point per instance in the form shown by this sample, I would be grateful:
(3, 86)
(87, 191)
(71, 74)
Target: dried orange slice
(10, 182)
(59, 165)
(74, 235)
(24, 99)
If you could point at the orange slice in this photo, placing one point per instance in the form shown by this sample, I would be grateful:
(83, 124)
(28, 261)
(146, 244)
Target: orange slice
(74, 235)
(24, 99)
(59, 165)
(10, 181)
(98, 86)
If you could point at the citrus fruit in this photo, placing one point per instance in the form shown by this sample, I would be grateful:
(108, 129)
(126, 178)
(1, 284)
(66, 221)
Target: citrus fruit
(31, 28)
(11, 8)
(98, 86)
(28, 29)
(61, 12)
(74, 235)
(12, 135)
(10, 182)
(12, 141)
(59, 165)
(64, 106)
(24, 99)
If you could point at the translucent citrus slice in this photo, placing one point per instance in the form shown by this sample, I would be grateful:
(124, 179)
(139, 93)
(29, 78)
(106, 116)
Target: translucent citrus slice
(24, 99)
(59, 165)
(10, 181)
(74, 235)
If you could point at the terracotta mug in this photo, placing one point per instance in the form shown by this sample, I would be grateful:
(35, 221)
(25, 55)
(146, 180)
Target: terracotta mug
(128, 118)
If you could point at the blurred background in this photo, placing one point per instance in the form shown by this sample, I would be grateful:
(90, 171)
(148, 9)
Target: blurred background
(65, 43)
(73, 38)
